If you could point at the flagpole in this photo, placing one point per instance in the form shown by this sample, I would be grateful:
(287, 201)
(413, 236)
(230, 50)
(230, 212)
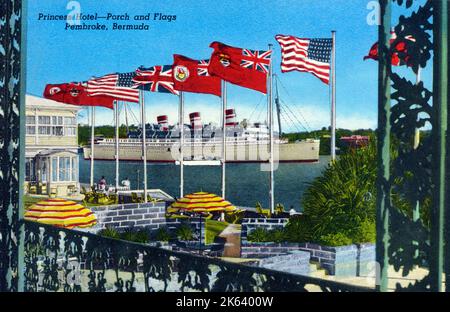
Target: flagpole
(144, 145)
(224, 145)
(181, 125)
(117, 143)
(92, 144)
(270, 121)
(333, 96)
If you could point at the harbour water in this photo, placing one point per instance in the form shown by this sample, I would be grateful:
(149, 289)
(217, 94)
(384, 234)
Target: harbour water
(246, 183)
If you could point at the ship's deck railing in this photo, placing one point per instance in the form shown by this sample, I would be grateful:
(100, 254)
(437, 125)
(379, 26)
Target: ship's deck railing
(199, 141)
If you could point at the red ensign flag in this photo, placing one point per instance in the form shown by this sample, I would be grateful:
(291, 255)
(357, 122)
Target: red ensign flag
(402, 47)
(243, 67)
(76, 94)
(192, 76)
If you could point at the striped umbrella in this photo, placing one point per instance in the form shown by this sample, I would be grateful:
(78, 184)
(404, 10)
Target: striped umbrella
(61, 213)
(201, 202)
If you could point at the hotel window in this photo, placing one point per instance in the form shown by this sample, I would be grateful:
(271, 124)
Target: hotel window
(45, 130)
(70, 121)
(57, 128)
(71, 131)
(57, 120)
(64, 169)
(31, 130)
(30, 120)
(44, 125)
(54, 169)
(44, 120)
(74, 169)
(29, 169)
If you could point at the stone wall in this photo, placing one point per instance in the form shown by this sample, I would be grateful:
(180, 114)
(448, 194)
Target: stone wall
(144, 215)
(250, 224)
(352, 260)
(196, 224)
(339, 261)
(264, 250)
(296, 262)
(366, 260)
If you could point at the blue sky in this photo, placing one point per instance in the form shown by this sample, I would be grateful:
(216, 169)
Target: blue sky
(56, 55)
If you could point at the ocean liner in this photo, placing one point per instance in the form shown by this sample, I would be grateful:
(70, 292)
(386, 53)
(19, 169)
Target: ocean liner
(245, 142)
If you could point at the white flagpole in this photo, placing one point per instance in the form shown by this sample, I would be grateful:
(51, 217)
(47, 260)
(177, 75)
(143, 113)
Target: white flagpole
(92, 144)
(333, 96)
(117, 143)
(144, 145)
(270, 122)
(181, 125)
(224, 143)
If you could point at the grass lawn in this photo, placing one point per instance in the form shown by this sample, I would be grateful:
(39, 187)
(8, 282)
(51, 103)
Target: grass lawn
(30, 200)
(213, 228)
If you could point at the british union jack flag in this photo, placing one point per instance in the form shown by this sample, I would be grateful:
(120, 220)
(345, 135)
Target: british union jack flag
(257, 60)
(203, 68)
(155, 79)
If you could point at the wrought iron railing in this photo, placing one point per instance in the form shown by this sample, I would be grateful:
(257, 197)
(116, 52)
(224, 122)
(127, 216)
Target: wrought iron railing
(411, 182)
(66, 260)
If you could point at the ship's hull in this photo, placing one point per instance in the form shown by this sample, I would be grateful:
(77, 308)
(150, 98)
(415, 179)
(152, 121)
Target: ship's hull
(303, 151)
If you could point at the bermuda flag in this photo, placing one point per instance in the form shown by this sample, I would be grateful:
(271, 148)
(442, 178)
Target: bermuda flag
(117, 86)
(400, 55)
(243, 67)
(155, 79)
(192, 76)
(75, 93)
(306, 55)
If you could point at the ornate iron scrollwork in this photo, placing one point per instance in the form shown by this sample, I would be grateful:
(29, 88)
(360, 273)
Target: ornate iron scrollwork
(11, 144)
(67, 260)
(412, 186)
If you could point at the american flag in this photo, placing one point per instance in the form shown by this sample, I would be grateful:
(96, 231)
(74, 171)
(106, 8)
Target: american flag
(155, 79)
(203, 68)
(306, 55)
(114, 85)
(257, 60)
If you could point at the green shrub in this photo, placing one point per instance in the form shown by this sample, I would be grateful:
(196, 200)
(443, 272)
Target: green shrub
(343, 198)
(109, 232)
(336, 239)
(365, 232)
(277, 236)
(163, 235)
(258, 235)
(185, 232)
(137, 236)
(298, 229)
(142, 236)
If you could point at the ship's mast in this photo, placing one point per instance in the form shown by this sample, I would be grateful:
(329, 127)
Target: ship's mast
(277, 103)
(125, 106)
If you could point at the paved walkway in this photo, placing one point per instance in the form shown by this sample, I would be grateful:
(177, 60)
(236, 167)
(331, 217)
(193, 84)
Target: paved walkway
(394, 279)
(232, 235)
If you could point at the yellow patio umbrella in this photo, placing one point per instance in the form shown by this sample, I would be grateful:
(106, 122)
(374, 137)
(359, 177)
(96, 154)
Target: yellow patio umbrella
(60, 212)
(201, 202)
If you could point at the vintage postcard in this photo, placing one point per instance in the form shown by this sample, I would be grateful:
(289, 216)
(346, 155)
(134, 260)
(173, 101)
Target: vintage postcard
(234, 146)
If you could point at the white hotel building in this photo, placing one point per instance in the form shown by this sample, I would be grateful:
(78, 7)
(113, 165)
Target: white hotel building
(51, 148)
